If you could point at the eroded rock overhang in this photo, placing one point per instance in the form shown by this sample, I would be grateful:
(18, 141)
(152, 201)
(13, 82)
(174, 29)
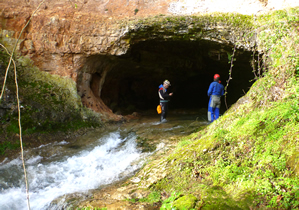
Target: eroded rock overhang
(118, 64)
(188, 51)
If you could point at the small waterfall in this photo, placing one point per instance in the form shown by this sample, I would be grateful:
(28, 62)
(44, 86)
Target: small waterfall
(50, 177)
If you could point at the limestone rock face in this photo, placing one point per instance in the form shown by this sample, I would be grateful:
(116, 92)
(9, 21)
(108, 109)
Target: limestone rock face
(79, 39)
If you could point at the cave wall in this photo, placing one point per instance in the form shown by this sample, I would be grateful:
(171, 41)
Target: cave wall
(141, 52)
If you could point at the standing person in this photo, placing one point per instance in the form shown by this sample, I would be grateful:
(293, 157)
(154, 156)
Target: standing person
(216, 90)
(164, 99)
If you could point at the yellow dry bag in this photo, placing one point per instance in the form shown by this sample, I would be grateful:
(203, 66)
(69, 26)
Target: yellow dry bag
(159, 109)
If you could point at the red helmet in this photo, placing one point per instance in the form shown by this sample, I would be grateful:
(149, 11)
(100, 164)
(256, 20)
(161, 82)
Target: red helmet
(216, 76)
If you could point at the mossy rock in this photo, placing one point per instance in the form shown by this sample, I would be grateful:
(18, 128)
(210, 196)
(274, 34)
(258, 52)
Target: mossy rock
(185, 202)
(49, 102)
(293, 162)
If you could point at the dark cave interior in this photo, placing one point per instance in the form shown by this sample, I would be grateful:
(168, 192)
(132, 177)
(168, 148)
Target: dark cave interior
(131, 85)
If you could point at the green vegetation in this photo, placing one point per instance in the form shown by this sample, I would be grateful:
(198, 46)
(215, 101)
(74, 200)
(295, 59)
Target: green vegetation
(153, 197)
(49, 103)
(8, 145)
(248, 158)
(178, 202)
(168, 203)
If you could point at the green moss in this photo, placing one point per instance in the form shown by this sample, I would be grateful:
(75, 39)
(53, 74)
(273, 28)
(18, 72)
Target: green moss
(152, 198)
(293, 162)
(8, 145)
(217, 198)
(49, 103)
(249, 157)
(186, 202)
(168, 203)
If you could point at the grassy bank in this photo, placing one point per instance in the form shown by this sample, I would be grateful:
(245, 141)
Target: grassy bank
(249, 158)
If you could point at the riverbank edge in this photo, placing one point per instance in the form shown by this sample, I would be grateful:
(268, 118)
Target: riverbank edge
(248, 158)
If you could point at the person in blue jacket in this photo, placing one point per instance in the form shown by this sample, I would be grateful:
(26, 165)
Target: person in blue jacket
(164, 99)
(216, 90)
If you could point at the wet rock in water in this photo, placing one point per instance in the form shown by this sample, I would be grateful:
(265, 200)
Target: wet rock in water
(74, 146)
(68, 201)
(145, 144)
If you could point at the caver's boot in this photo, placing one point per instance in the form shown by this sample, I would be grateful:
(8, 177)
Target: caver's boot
(163, 120)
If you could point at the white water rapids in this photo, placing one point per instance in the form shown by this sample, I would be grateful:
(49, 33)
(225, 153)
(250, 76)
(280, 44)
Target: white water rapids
(108, 159)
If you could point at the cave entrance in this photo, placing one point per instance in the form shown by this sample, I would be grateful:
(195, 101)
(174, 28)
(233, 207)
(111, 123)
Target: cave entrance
(132, 84)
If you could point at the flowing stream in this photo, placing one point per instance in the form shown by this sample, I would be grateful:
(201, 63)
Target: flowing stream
(98, 158)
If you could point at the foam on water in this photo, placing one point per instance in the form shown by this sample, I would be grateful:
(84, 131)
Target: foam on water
(78, 173)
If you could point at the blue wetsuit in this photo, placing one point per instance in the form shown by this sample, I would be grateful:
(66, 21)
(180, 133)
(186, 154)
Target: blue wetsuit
(216, 90)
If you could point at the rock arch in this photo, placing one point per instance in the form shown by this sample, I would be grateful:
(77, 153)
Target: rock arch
(102, 49)
(186, 50)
